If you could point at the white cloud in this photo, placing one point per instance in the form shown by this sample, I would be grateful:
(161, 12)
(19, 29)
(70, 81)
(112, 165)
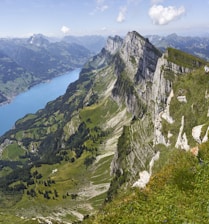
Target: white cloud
(161, 15)
(122, 14)
(65, 29)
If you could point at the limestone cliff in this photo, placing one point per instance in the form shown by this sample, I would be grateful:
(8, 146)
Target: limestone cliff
(146, 87)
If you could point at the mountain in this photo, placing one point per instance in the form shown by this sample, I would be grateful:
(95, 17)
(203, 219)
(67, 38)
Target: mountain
(34, 60)
(197, 46)
(38, 40)
(122, 134)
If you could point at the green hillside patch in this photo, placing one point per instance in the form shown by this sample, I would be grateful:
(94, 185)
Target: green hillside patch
(65, 187)
(184, 59)
(98, 114)
(175, 194)
(12, 152)
(101, 170)
(26, 118)
(9, 218)
(53, 185)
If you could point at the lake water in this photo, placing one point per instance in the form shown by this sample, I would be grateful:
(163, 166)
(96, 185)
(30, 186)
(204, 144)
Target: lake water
(34, 99)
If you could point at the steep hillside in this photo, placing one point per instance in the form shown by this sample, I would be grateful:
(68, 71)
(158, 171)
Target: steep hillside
(56, 147)
(169, 184)
(119, 118)
(176, 193)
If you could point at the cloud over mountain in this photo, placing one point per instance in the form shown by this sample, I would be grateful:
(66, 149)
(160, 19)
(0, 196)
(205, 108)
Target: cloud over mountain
(122, 14)
(65, 29)
(161, 15)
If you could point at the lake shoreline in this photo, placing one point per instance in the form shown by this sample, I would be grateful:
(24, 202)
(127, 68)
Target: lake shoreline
(34, 99)
(11, 98)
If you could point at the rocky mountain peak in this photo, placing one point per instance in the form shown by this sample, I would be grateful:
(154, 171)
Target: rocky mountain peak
(139, 55)
(133, 45)
(38, 40)
(113, 44)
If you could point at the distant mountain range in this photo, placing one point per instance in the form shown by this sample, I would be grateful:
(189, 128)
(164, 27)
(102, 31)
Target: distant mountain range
(198, 46)
(25, 62)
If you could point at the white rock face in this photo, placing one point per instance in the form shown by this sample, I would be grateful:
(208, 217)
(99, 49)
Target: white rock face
(113, 44)
(182, 142)
(144, 176)
(159, 89)
(54, 171)
(196, 132)
(158, 136)
(206, 68)
(166, 112)
(206, 95)
(205, 138)
(182, 99)
(154, 158)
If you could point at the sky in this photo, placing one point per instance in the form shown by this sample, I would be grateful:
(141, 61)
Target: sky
(22, 18)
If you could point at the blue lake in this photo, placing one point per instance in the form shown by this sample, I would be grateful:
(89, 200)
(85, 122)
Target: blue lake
(34, 99)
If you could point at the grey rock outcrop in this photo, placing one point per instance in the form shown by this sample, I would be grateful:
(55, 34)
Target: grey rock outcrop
(138, 60)
(144, 84)
(135, 67)
(140, 57)
(113, 44)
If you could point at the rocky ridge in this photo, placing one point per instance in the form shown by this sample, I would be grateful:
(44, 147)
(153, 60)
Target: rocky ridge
(119, 113)
(154, 87)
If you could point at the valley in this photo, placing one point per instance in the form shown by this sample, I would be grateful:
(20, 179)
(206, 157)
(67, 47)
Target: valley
(77, 159)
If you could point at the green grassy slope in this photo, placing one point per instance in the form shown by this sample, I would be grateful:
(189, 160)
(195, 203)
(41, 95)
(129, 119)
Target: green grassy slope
(75, 137)
(177, 191)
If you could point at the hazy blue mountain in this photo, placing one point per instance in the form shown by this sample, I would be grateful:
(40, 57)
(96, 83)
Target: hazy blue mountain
(198, 46)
